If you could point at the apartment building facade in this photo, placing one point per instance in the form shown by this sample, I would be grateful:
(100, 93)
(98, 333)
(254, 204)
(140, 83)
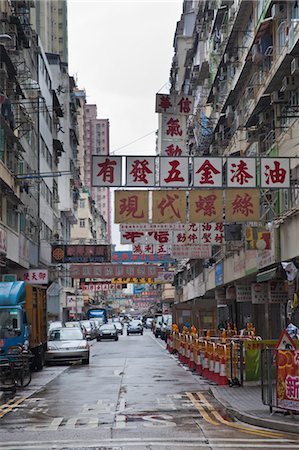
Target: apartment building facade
(238, 59)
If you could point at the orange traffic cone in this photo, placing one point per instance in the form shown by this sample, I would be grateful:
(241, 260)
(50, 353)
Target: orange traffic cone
(198, 362)
(211, 368)
(217, 369)
(205, 370)
(222, 374)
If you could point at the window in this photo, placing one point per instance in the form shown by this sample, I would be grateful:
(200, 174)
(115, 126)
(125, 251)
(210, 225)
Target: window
(82, 203)
(82, 223)
(12, 215)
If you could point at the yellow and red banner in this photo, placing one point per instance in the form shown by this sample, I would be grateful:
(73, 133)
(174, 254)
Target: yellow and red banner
(287, 379)
(206, 205)
(169, 206)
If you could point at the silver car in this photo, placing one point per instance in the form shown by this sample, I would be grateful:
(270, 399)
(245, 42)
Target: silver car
(66, 345)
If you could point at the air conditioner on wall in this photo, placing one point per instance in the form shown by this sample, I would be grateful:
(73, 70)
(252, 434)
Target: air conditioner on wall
(288, 84)
(277, 97)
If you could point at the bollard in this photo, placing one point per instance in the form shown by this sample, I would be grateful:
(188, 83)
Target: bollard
(211, 367)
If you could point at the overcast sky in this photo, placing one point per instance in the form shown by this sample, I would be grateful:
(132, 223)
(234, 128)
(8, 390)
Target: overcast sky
(120, 52)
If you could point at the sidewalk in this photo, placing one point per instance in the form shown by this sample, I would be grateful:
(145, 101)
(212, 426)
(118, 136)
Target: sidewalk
(245, 404)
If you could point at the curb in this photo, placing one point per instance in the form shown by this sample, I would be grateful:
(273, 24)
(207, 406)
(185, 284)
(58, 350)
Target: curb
(254, 420)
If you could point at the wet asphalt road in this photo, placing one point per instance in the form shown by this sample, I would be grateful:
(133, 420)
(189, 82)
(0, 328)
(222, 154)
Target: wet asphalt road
(133, 395)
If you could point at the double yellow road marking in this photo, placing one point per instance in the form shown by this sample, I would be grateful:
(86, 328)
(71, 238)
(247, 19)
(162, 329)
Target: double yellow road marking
(209, 414)
(10, 405)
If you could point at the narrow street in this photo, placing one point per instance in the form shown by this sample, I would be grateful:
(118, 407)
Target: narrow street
(133, 395)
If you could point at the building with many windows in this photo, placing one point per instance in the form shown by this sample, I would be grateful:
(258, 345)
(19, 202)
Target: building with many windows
(239, 60)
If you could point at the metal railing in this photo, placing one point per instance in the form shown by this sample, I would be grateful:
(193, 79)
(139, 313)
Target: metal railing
(268, 377)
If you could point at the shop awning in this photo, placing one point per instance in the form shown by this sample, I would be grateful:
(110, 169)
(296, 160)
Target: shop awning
(267, 275)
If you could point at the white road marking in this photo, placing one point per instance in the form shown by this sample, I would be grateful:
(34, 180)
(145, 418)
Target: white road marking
(141, 442)
(71, 423)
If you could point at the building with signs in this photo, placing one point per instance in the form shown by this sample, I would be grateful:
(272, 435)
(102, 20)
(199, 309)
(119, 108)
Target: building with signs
(238, 61)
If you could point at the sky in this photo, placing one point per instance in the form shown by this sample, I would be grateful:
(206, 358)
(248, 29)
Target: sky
(121, 52)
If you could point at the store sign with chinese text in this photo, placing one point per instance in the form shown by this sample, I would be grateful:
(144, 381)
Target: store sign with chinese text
(108, 271)
(81, 253)
(194, 172)
(129, 257)
(130, 206)
(170, 206)
(277, 292)
(36, 276)
(100, 287)
(135, 280)
(259, 293)
(151, 249)
(191, 251)
(174, 104)
(243, 293)
(287, 379)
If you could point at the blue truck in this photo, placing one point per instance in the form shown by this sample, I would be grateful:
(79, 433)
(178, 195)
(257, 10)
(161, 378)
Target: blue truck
(97, 313)
(23, 319)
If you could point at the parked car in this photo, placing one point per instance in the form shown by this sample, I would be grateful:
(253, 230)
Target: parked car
(76, 324)
(108, 331)
(119, 327)
(55, 324)
(135, 327)
(157, 326)
(149, 322)
(66, 345)
(166, 326)
(90, 328)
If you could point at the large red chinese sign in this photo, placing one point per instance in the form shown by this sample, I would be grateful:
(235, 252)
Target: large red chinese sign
(242, 205)
(177, 170)
(169, 206)
(287, 379)
(174, 104)
(206, 205)
(131, 206)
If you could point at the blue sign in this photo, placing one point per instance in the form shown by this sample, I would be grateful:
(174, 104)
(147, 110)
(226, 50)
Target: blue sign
(219, 273)
(128, 257)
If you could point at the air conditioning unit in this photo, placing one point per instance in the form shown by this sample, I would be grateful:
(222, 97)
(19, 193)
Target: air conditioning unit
(288, 84)
(229, 111)
(264, 117)
(277, 97)
(252, 135)
(295, 66)
(257, 56)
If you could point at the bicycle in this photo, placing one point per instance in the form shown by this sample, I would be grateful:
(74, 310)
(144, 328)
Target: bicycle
(20, 363)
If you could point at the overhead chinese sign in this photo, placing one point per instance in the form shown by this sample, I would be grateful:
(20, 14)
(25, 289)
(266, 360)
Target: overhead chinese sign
(206, 205)
(287, 379)
(140, 171)
(159, 241)
(174, 104)
(151, 249)
(131, 206)
(100, 287)
(169, 206)
(129, 257)
(195, 172)
(191, 251)
(242, 205)
(134, 280)
(81, 253)
(108, 271)
(106, 171)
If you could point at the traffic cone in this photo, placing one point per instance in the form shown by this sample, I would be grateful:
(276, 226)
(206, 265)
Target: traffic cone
(211, 368)
(199, 363)
(222, 374)
(187, 353)
(192, 363)
(181, 352)
(205, 370)
(217, 369)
